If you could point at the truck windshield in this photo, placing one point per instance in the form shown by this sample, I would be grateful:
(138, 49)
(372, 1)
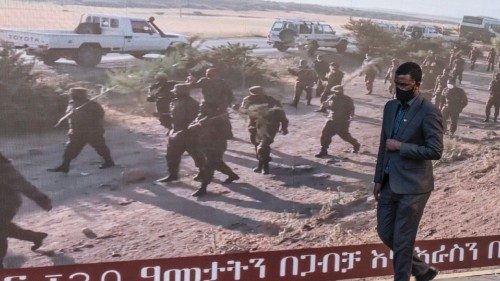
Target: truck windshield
(141, 27)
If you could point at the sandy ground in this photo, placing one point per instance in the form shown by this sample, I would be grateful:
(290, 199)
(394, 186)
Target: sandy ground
(329, 204)
(204, 23)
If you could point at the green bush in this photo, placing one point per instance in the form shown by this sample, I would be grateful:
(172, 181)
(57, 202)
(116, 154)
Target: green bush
(26, 105)
(233, 61)
(372, 39)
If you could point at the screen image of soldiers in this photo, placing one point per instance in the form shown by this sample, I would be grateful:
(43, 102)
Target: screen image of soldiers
(216, 95)
(441, 83)
(322, 68)
(473, 56)
(265, 118)
(333, 78)
(494, 99)
(183, 111)
(454, 102)
(370, 72)
(12, 186)
(458, 69)
(85, 127)
(160, 93)
(212, 135)
(391, 74)
(342, 110)
(306, 77)
(491, 59)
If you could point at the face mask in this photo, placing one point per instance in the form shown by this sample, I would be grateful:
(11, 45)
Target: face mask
(404, 96)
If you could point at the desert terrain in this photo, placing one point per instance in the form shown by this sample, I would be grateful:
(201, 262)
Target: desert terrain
(304, 202)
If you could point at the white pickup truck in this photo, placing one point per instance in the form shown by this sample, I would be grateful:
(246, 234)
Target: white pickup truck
(95, 36)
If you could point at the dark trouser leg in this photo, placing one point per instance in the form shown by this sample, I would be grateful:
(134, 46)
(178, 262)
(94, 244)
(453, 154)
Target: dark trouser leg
(175, 149)
(73, 147)
(489, 105)
(14, 231)
(460, 74)
(369, 85)
(194, 151)
(298, 92)
(309, 91)
(253, 136)
(446, 116)
(398, 217)
(320, 87)
(497, 109)
(327, 135)
(454, 122)
(217, 160)
(3, 239)
(346, 136)
(99, 144)
(324, 96)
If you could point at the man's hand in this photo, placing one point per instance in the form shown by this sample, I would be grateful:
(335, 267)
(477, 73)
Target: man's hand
(376, 190)
(392, 145)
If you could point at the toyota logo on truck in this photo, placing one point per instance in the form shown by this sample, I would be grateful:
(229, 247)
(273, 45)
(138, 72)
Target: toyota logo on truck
(24, 38)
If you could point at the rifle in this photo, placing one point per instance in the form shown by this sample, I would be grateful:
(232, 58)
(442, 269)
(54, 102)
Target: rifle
(67, 115)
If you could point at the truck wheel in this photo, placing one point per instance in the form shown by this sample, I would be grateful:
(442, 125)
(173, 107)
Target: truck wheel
(50, 58)
(287, 36)
(341, 47)
(138, 55)
(88, 56)
(281, 47)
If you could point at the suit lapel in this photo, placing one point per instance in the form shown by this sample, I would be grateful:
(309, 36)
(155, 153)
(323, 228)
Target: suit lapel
(414, 108)
(392, 117)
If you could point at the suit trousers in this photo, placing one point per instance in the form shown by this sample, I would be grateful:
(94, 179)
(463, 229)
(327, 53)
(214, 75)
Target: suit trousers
(398, 217)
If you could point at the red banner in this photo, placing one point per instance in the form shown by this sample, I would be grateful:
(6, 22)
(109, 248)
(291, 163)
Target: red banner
(332, 263)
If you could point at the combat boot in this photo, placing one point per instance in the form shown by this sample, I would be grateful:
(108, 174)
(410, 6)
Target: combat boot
(38, 240)
(63, 168)
(231, 178)
(201, 191)
(265, 169)
(308, 102)
(258, 169)
(107, 164)
(486, 120)
(322, 153)
(170, 178)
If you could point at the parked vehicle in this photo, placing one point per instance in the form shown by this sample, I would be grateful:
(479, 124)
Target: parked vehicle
(290, 33)
(421, 31)
(479, 28)
(95, 36)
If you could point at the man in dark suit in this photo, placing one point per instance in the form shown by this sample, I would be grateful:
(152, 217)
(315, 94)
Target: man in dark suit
(412, 136)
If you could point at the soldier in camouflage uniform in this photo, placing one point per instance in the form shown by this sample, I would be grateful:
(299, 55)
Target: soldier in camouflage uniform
(473, 56)
(160, 93)
(212, 136)
(455, 100)
(321, 67)
(494, 100)
(342, 110)
(216, 95)
(441, 82)
(86, 126)
(305, 82)
(334, 78)
(183, 110)
(263, 128)
(458, 68)
(370, 75)
(391, 75)
(12, 186)
(491, 59)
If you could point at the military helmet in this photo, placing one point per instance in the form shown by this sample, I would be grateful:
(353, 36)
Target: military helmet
(256, 90)
(161, 76)
(78, 92)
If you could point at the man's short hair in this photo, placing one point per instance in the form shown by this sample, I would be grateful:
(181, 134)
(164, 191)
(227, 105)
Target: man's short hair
(411, 68)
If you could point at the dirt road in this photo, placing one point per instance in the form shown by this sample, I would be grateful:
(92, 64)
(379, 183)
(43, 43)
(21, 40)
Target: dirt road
(304, 202)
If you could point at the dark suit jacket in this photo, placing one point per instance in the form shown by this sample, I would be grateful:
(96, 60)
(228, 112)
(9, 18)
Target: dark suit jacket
(421, 134)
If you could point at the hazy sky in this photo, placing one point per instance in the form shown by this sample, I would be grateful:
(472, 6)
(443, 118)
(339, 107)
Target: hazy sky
(448, 8)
